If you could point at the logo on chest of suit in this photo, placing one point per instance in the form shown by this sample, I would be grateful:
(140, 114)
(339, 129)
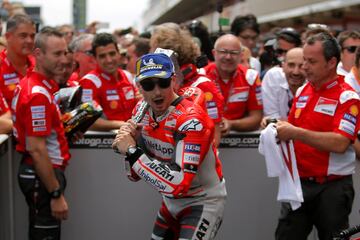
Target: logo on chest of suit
(326, 106)
(239, 94)
(128, 92)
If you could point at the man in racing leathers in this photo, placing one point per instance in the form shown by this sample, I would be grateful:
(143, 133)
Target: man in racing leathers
(175, 153)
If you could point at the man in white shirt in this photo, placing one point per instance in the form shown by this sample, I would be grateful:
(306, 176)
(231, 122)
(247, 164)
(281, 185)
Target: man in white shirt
(280, 84)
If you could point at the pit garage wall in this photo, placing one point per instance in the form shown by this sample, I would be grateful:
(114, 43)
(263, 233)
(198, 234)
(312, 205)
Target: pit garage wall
(105, 205)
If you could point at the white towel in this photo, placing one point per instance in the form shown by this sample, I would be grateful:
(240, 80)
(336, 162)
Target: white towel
(279, 164)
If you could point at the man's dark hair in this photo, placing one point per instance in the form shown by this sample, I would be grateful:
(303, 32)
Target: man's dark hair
(242, 23)
(16, 20)
(44, 33)
(290, 35)
(331, 48)
(343, 36)
(142, 46)
(102, 40)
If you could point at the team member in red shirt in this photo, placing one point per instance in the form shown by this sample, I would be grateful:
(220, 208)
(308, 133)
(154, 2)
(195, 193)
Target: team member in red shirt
(240, 87)
(41, 138)
(323, 122)
(175, 154)
(16, 60)
(5, 116)
(108, 85)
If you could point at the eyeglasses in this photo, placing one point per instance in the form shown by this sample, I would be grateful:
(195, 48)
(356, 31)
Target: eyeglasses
(232, 53)
(351, 49)
(248, 37)
(149, 84)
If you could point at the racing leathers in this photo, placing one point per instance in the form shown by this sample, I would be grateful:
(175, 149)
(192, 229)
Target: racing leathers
(178, 158)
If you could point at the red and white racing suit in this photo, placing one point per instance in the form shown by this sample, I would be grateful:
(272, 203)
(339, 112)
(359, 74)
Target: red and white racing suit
(178, 158)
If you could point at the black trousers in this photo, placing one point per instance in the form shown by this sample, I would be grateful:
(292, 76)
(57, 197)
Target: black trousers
(326, 206)
(42, 225)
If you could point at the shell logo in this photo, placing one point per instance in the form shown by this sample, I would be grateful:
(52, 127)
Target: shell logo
(113, 104)
(354, 110)
(208, 96)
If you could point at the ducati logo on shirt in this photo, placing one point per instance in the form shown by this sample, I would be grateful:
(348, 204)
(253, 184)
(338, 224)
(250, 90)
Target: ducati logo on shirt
(326, 106)
(128, 92)
(239, 94)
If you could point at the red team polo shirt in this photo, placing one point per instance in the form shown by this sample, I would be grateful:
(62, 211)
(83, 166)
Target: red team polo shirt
(117, 98)
(214, 101)
(333, 108)
(241, 93)
(3, 105)
(35, 113)
(9, 77)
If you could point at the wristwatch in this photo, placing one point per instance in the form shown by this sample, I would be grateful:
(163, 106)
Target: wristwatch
(56, 193)
(131, 150)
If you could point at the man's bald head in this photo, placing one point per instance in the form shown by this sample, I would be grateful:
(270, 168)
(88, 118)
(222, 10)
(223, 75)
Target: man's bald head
(227, 54)
(294, 53)
(228, 38)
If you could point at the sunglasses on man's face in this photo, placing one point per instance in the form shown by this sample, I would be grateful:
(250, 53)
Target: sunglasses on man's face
(351, 49)
(149, 84)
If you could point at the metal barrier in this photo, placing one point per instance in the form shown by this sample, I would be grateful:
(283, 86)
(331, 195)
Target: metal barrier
(105, 205)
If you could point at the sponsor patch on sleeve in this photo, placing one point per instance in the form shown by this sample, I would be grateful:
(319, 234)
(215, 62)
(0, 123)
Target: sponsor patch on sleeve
(192, 158)
(213, 112)
(350, 118)
(354, 110)
(347, 127)
(191, 125)
(192, 148)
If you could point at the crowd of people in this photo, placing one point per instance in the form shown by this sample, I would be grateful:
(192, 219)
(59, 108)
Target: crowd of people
(187, 90)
